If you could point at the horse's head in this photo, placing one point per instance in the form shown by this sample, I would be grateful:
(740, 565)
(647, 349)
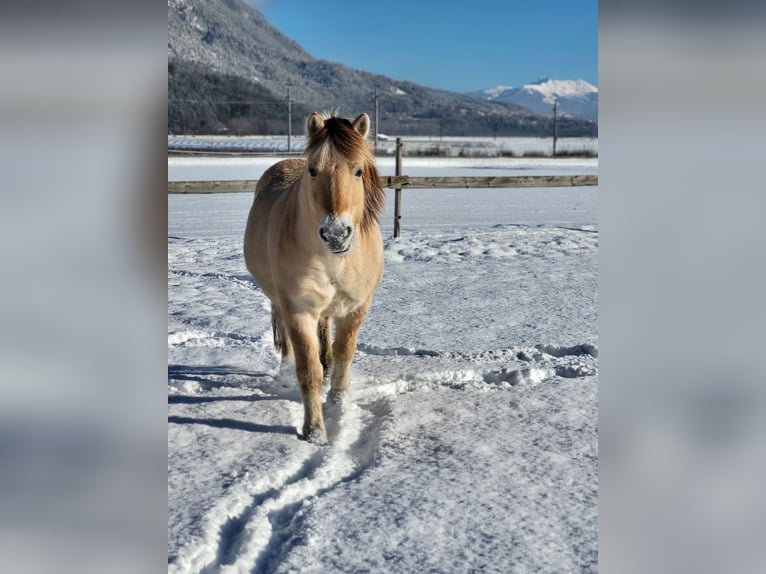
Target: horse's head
(340, 169)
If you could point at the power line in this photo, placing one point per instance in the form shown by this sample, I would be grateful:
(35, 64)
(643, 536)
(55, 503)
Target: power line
(256, 102)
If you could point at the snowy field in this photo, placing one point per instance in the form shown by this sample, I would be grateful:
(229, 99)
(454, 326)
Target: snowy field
(469, 443)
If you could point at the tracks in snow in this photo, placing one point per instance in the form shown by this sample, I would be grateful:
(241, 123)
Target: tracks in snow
(245, 281)
(531, 365)
(254, 526)
(553, 350)
(260, 519)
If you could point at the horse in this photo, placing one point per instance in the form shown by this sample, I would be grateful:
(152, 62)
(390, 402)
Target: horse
(314, 247)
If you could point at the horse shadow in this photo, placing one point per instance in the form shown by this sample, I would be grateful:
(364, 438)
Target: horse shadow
(281, 386)
(234, 424)
(211, 377)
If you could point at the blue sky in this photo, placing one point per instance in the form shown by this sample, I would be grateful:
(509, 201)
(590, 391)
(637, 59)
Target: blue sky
(457, 46)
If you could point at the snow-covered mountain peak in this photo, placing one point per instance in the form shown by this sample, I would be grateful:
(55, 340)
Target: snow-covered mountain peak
(493, 93)
(575, 97)
(569, 88)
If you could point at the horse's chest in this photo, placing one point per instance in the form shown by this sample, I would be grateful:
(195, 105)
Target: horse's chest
(343, 294)
(330, 295)
(332, 286)
(341, 303)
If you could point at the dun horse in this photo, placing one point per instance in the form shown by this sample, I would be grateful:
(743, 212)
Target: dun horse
(314, 247)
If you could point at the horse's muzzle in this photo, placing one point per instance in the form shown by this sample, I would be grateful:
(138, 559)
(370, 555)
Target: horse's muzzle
(337, 233)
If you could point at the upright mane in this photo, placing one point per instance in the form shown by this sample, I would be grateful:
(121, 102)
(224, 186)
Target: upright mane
(337, 139)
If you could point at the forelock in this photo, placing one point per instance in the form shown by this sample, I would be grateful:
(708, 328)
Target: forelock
(338, 140)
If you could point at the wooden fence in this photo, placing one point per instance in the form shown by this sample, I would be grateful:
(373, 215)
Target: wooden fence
(404, 181)
(399, 181)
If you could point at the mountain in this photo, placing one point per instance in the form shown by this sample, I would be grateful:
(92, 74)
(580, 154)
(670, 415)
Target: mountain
(576, 98)
(229, 71)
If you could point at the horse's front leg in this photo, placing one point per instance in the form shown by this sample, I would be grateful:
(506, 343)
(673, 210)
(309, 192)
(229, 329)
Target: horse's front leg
(325, 343)
(308, 368)
(343, 349)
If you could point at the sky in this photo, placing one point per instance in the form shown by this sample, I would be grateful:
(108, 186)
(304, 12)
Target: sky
(456, 46)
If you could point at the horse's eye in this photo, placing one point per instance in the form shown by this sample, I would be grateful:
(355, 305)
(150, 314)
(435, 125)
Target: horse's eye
(358, 173)
(312, 172)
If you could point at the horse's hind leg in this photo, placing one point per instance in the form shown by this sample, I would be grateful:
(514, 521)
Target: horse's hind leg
(325, 343)
(344, 347)
(281, 338)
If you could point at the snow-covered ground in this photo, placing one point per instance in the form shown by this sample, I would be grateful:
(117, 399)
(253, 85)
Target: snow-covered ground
(212, 168)
(469, 443)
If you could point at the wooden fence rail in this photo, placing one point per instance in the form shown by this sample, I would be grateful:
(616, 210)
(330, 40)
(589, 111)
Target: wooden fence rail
(406, 182)
(398, 181)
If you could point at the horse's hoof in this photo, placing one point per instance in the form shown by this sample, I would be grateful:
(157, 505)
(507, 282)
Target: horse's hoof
(336, 397)
(316, 437)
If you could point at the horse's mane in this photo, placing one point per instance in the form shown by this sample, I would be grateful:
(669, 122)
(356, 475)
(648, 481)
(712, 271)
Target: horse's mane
(339, 138)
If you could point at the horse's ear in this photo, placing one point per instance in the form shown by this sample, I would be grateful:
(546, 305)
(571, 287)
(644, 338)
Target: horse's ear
(314, 123)
(362, 124)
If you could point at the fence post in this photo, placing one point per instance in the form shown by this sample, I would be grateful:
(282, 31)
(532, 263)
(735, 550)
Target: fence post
(555, 126)
(375, 141)
(398, 188)
(289, 119)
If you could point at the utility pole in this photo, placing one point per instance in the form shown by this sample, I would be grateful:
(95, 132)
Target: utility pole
(375, 144)
(398, 188)
(289, 119)
(555, 125)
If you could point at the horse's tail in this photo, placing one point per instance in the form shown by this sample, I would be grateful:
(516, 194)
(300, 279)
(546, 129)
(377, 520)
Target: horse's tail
(280, 338)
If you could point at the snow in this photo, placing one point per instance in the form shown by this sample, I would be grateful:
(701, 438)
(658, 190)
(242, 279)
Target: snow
(492, 93)
(549, 88)
(212, 168)
(575, 97)
(566, 88)
(469, 440)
